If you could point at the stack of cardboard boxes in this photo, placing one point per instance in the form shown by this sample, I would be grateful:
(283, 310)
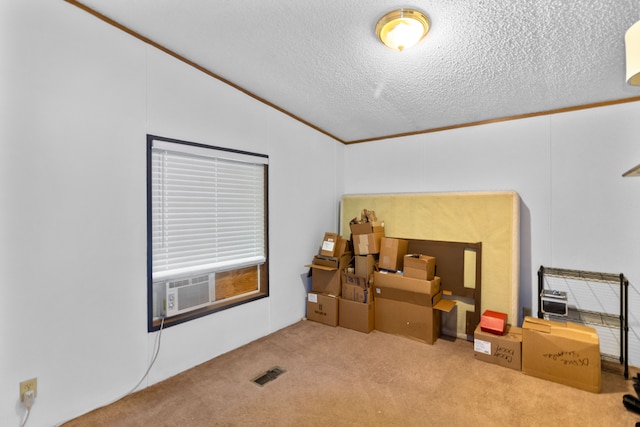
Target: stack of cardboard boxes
(408, 302)
(563, 352)
(326, 284)
(368, 288)
(371, 282)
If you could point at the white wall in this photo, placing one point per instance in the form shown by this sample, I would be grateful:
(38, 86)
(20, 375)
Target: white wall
(78, 98)
(577, 211)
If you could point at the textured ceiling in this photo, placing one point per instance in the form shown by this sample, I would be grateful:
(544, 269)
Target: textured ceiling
(321, 62)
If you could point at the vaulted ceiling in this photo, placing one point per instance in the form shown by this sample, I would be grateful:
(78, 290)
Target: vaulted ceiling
(321, 62)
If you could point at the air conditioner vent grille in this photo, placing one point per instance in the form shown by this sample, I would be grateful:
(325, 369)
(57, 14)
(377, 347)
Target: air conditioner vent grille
(179, 283)
(193, 295)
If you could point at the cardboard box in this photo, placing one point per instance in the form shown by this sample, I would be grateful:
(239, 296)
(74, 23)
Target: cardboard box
(409, 307)
(365, 265)
(364, 244)
(367, 228)
(333, 245)
(419, 266)
(504, 350)
(355, 288)
(392, 252)
(415, 290)
(563, 352)
(325, 273)
(356, 315)
(323, 308)
(329, 244)
(493, 322)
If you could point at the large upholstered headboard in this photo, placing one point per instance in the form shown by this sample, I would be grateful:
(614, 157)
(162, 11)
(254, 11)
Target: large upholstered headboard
(489, 218)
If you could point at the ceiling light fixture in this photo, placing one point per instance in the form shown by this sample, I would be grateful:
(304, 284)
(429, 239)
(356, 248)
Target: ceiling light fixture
(403, 28)
(632, 46)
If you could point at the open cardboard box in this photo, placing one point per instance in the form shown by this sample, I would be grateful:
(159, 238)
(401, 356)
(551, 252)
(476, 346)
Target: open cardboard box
(325, 273)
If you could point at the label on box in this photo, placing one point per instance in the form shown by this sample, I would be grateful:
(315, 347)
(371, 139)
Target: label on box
(481, 346)
(313, 298)
(328, 245)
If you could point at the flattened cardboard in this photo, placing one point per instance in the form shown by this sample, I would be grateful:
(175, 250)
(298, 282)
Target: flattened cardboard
(504, 350)
(356, 315)
(493, 322)
(322, 308)
(364, 244)
(563, 352)
(392, 252)
(419, 266)
(367, 228)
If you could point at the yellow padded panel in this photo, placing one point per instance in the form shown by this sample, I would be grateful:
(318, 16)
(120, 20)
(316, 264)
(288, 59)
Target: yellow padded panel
(492, 218)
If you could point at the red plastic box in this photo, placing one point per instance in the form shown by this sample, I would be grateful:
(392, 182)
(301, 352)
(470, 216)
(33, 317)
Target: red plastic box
(493, 322)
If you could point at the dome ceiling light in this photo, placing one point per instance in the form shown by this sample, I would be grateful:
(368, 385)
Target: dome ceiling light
(403, 28)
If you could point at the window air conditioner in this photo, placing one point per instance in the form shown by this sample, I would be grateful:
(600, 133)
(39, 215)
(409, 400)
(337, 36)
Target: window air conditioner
(187, 294)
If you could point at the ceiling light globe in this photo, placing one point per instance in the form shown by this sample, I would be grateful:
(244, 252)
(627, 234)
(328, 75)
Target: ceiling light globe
(632, 47)
(402, 29)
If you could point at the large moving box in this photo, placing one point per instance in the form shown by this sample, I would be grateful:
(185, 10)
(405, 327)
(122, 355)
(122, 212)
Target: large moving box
(563, 352)
(504, 350)
(409, 307)
(356, 315)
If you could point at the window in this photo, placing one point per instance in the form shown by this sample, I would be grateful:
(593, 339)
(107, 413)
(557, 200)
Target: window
(207, 229)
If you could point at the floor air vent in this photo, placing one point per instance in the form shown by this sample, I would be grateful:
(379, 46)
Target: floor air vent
(270, 375)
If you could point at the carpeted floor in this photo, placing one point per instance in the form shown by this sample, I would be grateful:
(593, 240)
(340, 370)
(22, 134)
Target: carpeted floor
(340, 377)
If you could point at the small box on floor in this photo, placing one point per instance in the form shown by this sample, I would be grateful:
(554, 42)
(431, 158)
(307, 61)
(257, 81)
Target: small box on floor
(356, 315)
(493, 322)
(322, 308)
(563, 352)
(504, 350)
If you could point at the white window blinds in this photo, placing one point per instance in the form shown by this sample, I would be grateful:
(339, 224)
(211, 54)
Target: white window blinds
(207, 209)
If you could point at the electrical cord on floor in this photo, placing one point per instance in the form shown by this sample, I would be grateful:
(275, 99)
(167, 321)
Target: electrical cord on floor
(156, 351)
